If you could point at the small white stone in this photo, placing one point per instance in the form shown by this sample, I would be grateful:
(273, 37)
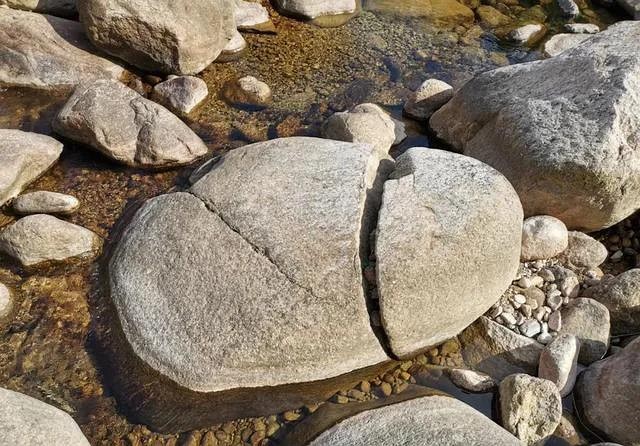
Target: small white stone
(471, 380)
(495, 312)
(508, 318)
(5, 300)
(525, 282)
(539, 313)
(544, 338)
(526, 310)
(45, 202)
(519, 298)
(543, 237)
(530, 328)
(547, 275)
(428, 98)
(525, 33)
(570, 286)
(582, 28)
(562, 42)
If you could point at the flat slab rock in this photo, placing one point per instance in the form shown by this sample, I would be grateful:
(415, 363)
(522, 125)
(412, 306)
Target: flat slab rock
(116, 121)
(265, 248)
(312, 9)
(24, 156)
(424, 421)
(42, 238)
(165, 35)
(497, 351)
(436, 206)
(28, 421)
(569, 147)
(46, 52)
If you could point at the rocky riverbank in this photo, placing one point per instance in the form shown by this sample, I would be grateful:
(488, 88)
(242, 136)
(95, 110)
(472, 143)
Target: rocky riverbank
(316, 286)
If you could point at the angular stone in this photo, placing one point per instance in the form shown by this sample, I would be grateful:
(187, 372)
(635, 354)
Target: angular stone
(45, 52)
(266, 248)
(312, 9)
(621, 296)
(63, 8)
(471, 380)
(527, 33)
(181, 94)
(530, 408)
(560, 43)
(608, 395)
(457, 224)
(497, 351)
(427, 421)
(429, 97)
(559, 362)
(252, 16)
(45, 202)
(118, 122)
(24, 157)
(584, 251)
(234, 48)
(568, 153)
(166, 36)
(543, 237)
(588, 320)
(366, 123)
(42, 238)
(27, 421)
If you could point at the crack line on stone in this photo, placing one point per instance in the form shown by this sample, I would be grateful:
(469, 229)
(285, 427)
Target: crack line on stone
(261, 251)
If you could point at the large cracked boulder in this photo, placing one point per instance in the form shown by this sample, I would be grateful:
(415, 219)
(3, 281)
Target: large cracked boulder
(24, 156)
(571, 146)
(116, 121)
(26, 420)
(168, 36)
(50, 53)
(447, 247)
(608, 396)
(251, 279)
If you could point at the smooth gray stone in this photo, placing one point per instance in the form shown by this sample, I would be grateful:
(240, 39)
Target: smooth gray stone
(24, 156)
(28, 421)
(447, 246)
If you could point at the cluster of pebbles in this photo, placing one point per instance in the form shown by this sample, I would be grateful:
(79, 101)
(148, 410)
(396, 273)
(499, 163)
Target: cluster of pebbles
(532, 304)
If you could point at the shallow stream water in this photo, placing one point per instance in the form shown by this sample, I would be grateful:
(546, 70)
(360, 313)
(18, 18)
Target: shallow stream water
(47, 350)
